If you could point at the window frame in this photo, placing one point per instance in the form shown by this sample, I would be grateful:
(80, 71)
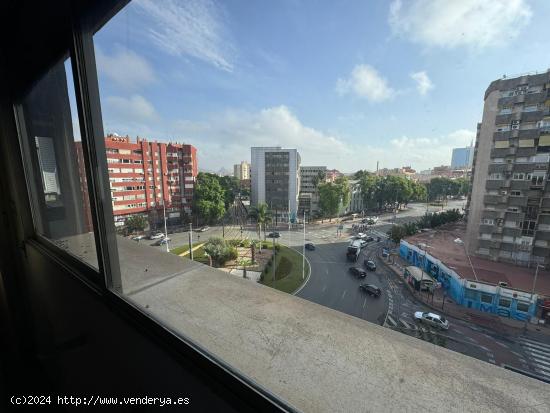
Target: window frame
(236, 388)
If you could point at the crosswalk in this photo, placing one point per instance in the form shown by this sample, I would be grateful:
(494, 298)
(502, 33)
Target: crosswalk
(538, 354)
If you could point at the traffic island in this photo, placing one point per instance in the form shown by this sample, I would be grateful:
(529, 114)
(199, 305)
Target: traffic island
(286, 274)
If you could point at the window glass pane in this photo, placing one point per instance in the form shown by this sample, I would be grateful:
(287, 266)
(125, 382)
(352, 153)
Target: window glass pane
(55, 165)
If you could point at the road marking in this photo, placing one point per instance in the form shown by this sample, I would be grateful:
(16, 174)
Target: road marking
(365, 302)
(391, 320)
(538, 354)
(501, 344)
(537, 346)
(405, 324)
(538, 343)
(344, 294)
(543, 362)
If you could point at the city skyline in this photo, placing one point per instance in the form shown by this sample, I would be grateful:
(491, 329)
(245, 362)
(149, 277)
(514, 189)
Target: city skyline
(362, 84)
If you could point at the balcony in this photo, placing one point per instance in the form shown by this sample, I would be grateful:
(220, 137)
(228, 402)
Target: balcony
(497, 167)
(494, 199)
(517, 201)
(526, 151)
(524, 167)
(519, 185)
(528, 134)
(503, 119)
(532, 98)
(502, 136)
(513, 232)
(502, 152)
(531, 116)
(494, 184)
(546, 202)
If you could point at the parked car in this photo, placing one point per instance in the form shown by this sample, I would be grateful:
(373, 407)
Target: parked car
(138, 237)
(358, 272)
(371, 289)
(162, 241)
(370, 265)
(432, 319)
(274, 234)
(204, 229)
(310, 246)
(156, 235)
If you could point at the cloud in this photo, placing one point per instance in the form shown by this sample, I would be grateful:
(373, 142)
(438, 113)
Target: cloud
(125, 67)
(135, 109)
(227, 137)
(424, 153)
(190, 28)
(423, 82)
(449, 24)
(367, 83)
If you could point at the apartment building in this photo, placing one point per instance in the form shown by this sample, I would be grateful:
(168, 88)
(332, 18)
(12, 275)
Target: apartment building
(509, 208)
(308, 201)
(241, 171)
(146, 176)
(275, 180)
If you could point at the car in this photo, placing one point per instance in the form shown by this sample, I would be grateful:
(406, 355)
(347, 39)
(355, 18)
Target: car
(156, 235)
(273, 234)
(432, 319)
(369, 239)
(371, 289)
(162, 241)
(370, 265)
(310, 246)
(204, 229)
(360, 235)
(385, 253)
(358, 272)
(364, 243)
(138, 237)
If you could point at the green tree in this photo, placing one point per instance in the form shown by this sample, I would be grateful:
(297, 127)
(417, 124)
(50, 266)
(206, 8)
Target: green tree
(231, 187)
(396, 233)
(344, 190)
(329, 199)
(136, 223)
(369, 187)
(262, 215)
(360, 174)
(220, 251)
(319, 178)
(209, 198)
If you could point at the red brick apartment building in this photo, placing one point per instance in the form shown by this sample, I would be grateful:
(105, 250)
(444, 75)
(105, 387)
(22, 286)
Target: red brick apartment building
(145, 175)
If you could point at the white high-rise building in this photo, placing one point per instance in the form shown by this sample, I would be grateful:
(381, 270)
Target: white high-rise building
(241, 170)
(275, 179)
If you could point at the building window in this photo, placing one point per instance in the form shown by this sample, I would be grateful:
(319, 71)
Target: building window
(522, 306)
(487, 221)
(504, 302)
(486, 298)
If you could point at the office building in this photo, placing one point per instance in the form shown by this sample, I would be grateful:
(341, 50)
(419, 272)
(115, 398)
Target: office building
(275, 180)
(462, 158)
(509, 207)
(146, 176)
(241, 171)
(310, 176)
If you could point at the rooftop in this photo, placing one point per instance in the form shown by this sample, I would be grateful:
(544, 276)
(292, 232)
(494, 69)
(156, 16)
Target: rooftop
(441, 244)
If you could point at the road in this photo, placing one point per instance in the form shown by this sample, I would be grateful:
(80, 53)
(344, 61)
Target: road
(330, 284)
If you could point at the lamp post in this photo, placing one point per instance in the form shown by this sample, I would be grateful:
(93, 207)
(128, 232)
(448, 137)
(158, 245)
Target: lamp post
(533, 290)
(304, 249)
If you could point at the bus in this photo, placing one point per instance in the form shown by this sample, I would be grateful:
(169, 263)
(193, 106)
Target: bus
(419, 279)
(354, 249)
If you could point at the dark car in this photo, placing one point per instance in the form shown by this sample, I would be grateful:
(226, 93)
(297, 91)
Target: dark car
(371, 289)
(369, 239)
(310, 246)
(274, 234)
(370, 265)
(358, 272)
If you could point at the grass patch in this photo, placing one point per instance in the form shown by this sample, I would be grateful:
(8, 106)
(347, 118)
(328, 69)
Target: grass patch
(288, 273)
(198, 254)
(180, 250)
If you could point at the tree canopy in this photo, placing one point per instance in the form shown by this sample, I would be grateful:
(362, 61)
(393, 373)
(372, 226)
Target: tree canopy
(382, 192)
(332, 195)
(209, 198)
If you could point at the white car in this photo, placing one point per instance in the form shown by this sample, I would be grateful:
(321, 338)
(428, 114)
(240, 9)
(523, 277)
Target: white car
(157, 235)
(432, 319)
(364, 243)
(204, 229)
(138, 237)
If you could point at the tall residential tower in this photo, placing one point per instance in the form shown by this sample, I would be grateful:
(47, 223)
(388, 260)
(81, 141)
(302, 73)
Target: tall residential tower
(509, 207)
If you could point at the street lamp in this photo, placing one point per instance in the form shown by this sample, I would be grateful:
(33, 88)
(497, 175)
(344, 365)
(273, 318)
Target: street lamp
(533, 289)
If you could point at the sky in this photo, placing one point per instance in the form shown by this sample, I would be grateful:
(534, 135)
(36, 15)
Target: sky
(347, 83)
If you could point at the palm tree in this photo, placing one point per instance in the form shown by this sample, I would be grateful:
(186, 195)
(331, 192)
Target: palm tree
(262, 215)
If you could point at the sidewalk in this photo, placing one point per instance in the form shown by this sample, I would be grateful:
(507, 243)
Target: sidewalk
(502, 325)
